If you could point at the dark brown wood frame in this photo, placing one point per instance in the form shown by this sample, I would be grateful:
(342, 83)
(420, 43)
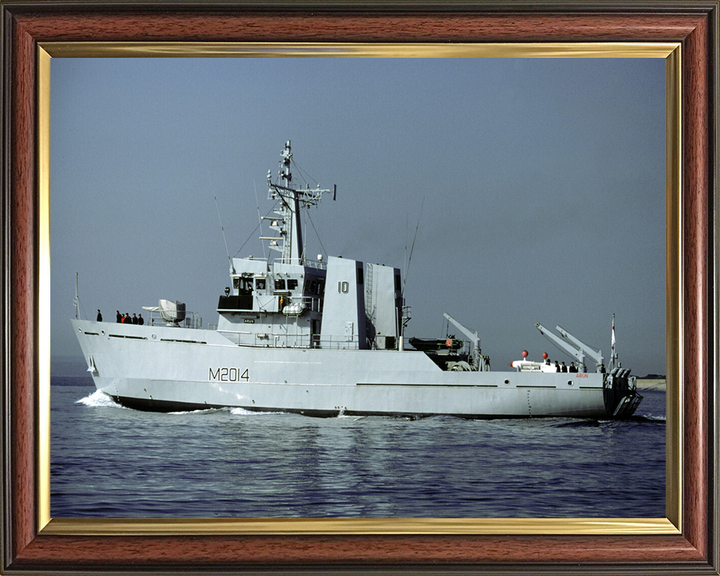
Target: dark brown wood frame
(26, 24)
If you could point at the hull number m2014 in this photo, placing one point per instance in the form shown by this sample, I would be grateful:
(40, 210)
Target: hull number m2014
(228, 375)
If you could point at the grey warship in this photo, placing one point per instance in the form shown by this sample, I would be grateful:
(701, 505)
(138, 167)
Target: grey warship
(326, 337)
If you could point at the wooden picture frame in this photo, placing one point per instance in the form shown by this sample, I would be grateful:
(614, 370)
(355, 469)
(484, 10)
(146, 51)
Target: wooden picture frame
(686, 542)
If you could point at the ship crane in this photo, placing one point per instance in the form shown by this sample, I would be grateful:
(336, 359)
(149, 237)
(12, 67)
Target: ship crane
(565, 342)
(475, 356)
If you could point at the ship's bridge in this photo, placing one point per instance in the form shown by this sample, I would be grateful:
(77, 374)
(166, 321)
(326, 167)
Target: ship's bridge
(293, 301)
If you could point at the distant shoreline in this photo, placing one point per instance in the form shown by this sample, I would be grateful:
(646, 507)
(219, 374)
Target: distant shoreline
(651, 384)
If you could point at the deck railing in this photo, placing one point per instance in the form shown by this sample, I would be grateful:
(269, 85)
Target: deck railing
(192, 320)
(320, 265)
(285, 340)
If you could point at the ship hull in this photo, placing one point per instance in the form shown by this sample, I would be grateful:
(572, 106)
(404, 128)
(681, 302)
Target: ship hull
(164, 368)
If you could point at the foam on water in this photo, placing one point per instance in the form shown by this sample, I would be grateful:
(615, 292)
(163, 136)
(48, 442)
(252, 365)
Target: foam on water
(98, 398)
(101, 399)
(201, 411)
(243, 412)
(651, 418)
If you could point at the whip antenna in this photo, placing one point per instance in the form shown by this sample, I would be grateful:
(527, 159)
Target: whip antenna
(412, 247)
(257, 203)
(405, 259)
(221, 224)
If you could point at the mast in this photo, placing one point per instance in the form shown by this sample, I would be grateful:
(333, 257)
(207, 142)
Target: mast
(296, 243)
(613, 354)
(290, 240)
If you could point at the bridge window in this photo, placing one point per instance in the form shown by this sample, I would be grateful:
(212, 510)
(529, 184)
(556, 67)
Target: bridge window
(292, 284)
(280, 284)
(245, 285)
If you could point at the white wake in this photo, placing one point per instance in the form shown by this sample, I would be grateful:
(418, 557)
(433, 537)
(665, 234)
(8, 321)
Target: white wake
(98, 398)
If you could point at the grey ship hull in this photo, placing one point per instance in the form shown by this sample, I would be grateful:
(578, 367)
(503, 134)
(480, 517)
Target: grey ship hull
(164, 368)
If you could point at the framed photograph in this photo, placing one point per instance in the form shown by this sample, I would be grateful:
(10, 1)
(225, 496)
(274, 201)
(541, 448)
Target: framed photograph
(34, 35)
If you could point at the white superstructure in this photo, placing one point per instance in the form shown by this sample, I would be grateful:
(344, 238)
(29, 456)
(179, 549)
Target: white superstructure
(325, 337)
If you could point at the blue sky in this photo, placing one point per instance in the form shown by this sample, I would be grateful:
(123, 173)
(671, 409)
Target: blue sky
(542, 185)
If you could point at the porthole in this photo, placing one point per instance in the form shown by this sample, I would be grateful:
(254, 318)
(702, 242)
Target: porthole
(570, 383)
(507, 381)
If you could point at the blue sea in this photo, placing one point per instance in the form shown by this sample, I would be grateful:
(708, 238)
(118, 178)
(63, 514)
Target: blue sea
(113, 462)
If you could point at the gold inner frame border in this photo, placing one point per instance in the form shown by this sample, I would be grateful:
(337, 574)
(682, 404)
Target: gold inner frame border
(670, 51)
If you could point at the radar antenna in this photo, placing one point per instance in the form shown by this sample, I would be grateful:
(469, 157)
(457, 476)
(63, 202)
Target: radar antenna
(289, 240)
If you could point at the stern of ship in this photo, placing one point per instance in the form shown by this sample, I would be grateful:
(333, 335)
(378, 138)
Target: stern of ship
(620, 394)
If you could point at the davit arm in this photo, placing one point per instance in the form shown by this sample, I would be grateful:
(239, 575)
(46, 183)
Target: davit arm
(561, 342)
(479, 362)
(473, 336)
(596, 355)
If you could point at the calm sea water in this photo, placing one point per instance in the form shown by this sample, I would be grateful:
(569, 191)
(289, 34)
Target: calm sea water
(112, 462)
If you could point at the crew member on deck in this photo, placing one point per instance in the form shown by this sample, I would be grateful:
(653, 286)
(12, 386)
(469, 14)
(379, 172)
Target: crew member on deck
(118, 316)
(140, 320)
(99, 316)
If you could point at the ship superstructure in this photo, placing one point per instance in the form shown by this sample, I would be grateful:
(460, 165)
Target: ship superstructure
(296, 302)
